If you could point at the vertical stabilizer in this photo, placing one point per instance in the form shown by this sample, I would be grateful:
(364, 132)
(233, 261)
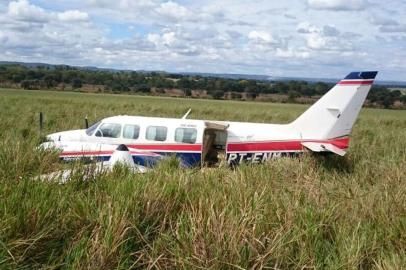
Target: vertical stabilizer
(334, 114)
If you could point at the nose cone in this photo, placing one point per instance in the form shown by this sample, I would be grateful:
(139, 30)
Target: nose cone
(50, 145)
(54, 137)
(121, 156)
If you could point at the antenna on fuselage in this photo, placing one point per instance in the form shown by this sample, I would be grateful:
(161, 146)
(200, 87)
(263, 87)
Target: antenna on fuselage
(186, 114)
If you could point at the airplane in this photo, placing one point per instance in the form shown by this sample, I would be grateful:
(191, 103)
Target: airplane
(325, 127)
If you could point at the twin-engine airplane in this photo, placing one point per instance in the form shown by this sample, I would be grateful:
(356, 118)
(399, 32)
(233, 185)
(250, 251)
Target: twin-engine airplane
(324, 127)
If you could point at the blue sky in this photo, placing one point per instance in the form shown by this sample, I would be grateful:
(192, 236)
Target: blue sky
(308, 38)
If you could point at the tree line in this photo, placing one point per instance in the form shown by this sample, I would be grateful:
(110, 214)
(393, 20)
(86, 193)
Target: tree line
(52, 77)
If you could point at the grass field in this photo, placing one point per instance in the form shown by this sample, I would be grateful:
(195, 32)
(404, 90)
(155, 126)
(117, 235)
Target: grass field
(313, 212)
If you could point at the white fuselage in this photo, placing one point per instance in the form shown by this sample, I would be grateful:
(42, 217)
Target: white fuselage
(324, 127)
(242, 141)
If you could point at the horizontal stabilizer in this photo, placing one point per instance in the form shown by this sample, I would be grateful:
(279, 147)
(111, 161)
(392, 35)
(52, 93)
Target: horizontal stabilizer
(323, 147)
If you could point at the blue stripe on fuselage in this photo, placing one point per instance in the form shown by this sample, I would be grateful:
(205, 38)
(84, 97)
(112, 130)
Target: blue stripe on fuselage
(187, 159)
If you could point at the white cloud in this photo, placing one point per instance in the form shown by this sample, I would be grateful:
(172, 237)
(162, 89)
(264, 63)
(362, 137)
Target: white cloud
(290, 53)
(166, 39)
(261, 37)
(388, 24)
(154, 38)
(72, 16)
(22, 10)
(378, 20)
(330, 30)
(173, 11)
(393, 28)
(129, 5)
(306, 28)
(3, 37)
(316, 41)
(337, 4)
(327, 38)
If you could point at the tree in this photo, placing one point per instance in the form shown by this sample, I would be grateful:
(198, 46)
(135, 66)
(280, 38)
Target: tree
(321, 88)
(184, 83)
(50, 80)
(237, 96)
(31, 84)
(403, 99)
(236, 87)
(292, 95)
(250, 95)
(144, 88)
(218, 94)
(281, 87)
(188, 92)
(387, 101)
(18, 77)
(307, 90)
(76, 83)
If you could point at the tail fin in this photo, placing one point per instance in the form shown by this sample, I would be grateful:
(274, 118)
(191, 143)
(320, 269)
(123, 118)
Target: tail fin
(334, 114)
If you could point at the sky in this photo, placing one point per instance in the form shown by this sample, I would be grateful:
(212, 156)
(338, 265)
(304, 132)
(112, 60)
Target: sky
(295, 38)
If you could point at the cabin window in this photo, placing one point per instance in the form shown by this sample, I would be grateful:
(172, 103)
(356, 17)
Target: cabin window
(131, 131)
(185, 135)
(156, 133)
(109, 130)
(91, 129)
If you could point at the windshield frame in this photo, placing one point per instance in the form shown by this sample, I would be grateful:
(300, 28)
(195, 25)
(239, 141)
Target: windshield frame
(91, 130)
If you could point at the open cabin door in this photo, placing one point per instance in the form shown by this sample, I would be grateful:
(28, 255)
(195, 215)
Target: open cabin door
(214, 142)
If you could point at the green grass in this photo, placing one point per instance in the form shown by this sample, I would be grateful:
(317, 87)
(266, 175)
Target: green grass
(312, 212)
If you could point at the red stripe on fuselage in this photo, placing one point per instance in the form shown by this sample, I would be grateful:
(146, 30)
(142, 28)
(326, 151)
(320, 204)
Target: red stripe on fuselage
(86, 153)
(356, 82)
(103, 153)
(151, 148)
(167, 147)
(294, 145)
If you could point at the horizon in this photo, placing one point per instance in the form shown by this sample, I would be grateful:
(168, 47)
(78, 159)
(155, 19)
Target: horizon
(333, 38)
(219, 75)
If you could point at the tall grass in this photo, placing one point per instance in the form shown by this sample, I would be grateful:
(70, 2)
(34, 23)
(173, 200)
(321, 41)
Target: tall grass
(313, 212)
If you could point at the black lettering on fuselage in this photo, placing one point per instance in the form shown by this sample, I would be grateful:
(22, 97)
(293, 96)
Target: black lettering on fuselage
(232, 158)
(256, 157)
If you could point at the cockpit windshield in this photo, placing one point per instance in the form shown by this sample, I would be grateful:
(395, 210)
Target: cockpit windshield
(92, 128)
(110, 130)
